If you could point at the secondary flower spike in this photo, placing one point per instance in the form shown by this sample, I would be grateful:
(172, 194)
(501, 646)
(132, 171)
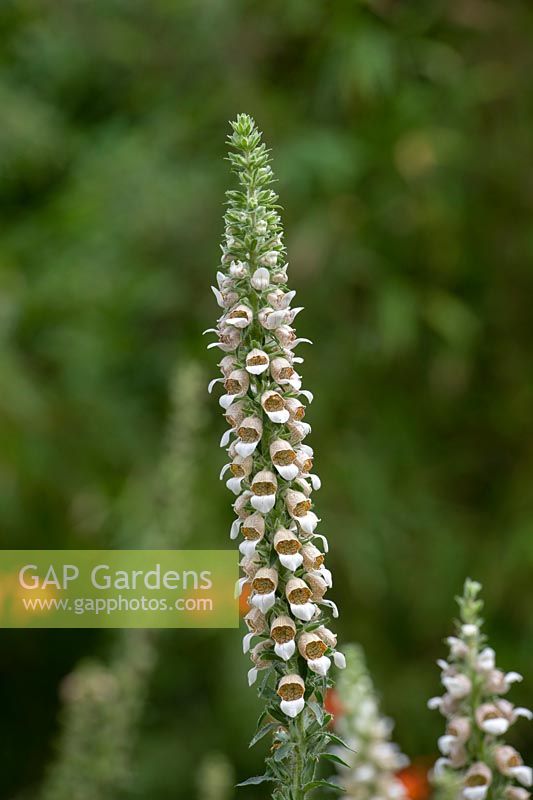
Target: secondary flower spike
(374, 760)
(475, 757)
(276, 524)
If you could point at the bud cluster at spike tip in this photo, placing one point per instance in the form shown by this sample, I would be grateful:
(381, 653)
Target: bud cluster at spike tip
(269, 469)
(478, 715)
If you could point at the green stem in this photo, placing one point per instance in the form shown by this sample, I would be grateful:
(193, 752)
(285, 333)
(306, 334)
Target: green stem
(297, 785)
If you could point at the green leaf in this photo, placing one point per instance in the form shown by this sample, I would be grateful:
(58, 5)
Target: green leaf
(323, 785)
(334, 758)
(270, 656)
(263, 732)
(255, 780)
(317, 711)
(276, 713)
(282, 752)
(337, 740)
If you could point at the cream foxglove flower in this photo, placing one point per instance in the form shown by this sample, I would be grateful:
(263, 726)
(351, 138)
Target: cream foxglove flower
(271, 470)
(477, 781)
(313, 649)
(284, 459)
(264, 587)
(264, 487)
(253, 530)
(240, 316)
(249, 432)
(509, 762)
(257, 361)
(291, 689)
(288, 546)
(273, 405)
(283, 633)
(477, 716)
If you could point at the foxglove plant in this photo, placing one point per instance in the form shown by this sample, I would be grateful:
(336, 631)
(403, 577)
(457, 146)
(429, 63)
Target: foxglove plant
(374, 760)
(270, 471)
(474, 755)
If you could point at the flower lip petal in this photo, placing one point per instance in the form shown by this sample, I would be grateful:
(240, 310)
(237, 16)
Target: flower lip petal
(496, 727)
(513, 677)
(285, 650)
(339, 660)
(288, 472)
(303, 611)
(320, 665)
(522, 774)
(263, 602)
(234, 484)
(523, 712)
(475, 792)
(292, 707)
(245, 448)
(291, 562)
(445, 744)
(263, 503)
(278, 416)
(248, 548)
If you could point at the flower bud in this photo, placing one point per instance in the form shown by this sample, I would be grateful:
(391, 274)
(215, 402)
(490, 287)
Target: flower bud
(312, 557)
(227, 365)
(280, 276)
(238, 270)
(317, 585)
(328, 637)
(260, 280)
(270, 259)
(298, 430)
(235, 413)
(258, 651)
(255, 621)
(298, 505)
(250, 565)
(295, 408)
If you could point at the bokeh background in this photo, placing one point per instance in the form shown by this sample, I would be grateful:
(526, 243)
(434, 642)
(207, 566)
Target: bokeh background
(401, 135)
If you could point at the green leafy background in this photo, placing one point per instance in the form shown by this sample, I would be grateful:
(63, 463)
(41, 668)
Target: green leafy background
(401, 135)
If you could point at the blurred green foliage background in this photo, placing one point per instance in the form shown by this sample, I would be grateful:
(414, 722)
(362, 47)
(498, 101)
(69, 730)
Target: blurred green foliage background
(401, 135)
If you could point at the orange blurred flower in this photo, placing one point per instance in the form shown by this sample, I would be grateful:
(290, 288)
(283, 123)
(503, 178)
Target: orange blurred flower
(244, 606)
(415, 779)
(333, 703)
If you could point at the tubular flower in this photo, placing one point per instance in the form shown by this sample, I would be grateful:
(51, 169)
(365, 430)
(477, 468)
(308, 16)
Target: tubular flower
(473, 754)
(269, 470)
(373, 759)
